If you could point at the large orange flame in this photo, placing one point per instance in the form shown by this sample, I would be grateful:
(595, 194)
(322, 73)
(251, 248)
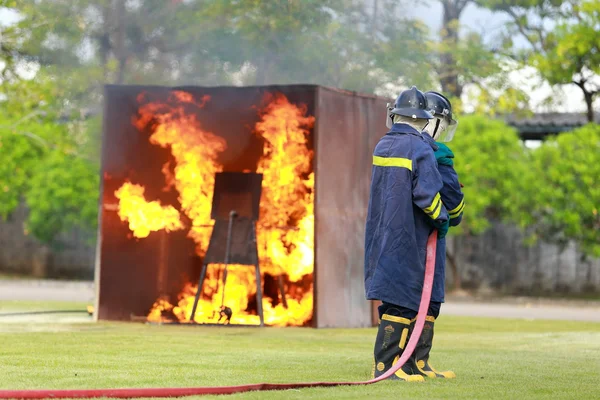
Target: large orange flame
(195, 151)
(287, 219)
(145, 216)
(286, 225)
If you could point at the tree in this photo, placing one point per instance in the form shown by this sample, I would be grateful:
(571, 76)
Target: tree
(560, 199)
(106, 40)
(490, 161)
(463, 63)
(400, 48)
(44, 153)
(25, 133)
(351, 44)
(449, 41)
(564, 44)
(62, 195)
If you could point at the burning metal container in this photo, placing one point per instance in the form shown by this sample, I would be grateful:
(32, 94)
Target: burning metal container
(163, 148)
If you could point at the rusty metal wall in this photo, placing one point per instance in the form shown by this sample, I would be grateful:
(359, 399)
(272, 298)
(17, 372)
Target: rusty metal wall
(132, 273)
(348, 128)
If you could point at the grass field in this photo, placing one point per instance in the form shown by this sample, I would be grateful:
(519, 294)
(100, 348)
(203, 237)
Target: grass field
(493, 358)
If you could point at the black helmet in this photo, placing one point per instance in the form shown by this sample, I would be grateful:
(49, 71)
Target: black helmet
(439, 105)
(442, 110)
(412, 103)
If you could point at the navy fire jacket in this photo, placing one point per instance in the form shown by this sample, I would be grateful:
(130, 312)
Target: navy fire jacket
(453, 198)
(404, 203)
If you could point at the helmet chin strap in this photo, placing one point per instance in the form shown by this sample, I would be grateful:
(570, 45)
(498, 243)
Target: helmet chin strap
(437, 126)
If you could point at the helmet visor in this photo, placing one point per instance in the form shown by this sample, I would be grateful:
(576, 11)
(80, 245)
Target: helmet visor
(388, 115)
(448, 134)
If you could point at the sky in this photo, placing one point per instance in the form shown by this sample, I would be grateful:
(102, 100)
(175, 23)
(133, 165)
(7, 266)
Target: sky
(479, 20)
(569, 97)
(7, 17)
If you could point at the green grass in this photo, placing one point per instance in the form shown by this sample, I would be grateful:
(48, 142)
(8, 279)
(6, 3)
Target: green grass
(493, 358)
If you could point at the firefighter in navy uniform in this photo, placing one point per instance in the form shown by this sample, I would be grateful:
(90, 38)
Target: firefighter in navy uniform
(440, 130)
(404, 207)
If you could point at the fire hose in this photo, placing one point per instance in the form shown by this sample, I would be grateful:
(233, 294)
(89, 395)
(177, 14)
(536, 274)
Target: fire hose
(195, 391)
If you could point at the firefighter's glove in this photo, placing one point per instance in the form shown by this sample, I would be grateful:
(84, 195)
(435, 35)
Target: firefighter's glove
(442, 228)
(444, 155)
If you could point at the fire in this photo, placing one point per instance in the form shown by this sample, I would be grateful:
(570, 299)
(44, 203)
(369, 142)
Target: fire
(145, 216)
(286, 226)
(195, 151)
(287, 190)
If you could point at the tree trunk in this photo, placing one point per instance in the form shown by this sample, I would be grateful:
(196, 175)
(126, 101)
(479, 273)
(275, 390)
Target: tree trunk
(105, 42)
(261, 71)
(120, 41)
(39, 265)
(449, 35)
(589, 102)
(374, 21)
(588, 97)
(264, 69)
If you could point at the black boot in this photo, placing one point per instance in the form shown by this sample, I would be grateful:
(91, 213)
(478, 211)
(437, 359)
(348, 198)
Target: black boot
(420, 360)
(391, 340)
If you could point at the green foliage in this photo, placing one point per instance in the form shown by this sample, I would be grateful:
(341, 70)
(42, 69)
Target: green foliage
(19, 156)
(402, 56)
(563, 38)
(62, 195)
(40, 142)
(559, 195)
(489, 160)
(499, 99)
(26, 127)
(575, 46)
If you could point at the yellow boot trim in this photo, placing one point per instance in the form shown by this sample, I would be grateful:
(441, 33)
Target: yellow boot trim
(393, 318)
(409, 378)
(433, 373)
(448, 374)
(429, 374)
(403, 338)
(373, 369)
(428, 318)
(406, 377)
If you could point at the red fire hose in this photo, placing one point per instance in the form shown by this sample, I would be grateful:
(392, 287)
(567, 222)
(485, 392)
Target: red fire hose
(179, 392)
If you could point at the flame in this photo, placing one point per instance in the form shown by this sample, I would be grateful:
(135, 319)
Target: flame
(286, 225)
(195, 151)
(287, 220)
(144, 216)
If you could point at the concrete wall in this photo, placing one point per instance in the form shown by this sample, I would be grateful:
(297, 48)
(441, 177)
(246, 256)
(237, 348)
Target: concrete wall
(499, 261)
(22, 254)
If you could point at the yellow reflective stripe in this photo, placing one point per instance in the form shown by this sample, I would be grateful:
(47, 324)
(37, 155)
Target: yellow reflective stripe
(430, 318)
(457, 213)
(392, 162)
(434, 204)
(393, 318)
(457, 209)
(437, 212)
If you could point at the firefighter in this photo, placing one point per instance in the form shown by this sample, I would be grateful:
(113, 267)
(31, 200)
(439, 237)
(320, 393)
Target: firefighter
(404, 207)
(439, 130)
